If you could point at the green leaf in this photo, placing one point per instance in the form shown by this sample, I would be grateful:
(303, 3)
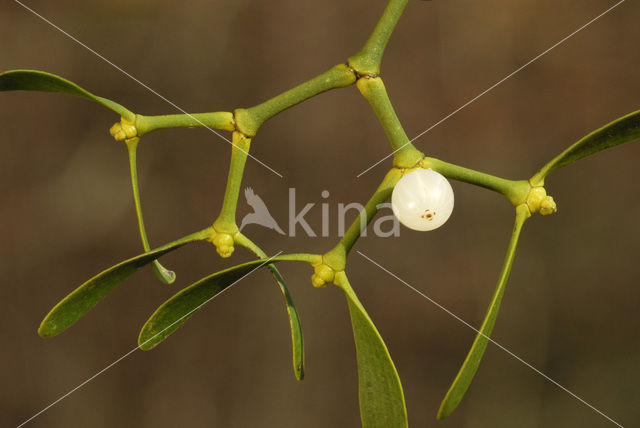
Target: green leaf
(179, 308)
(470, 366)
(297, 340)
(622, 130)
(85, 297)
(34, 80)
(164, 274)
(381, 397)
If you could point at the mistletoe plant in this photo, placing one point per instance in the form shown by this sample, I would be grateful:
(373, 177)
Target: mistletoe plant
(381, 397)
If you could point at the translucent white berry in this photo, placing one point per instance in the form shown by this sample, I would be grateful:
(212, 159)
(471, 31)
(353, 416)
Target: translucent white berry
(422, 200)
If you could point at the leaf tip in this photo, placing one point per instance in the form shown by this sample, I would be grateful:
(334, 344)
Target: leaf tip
(299, 372)
(143, 347)
(46, 330)
(145, 339)
(443, 412)
(167, 276)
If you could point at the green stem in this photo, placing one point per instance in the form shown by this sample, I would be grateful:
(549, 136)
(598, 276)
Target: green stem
(367, 61)
(249, 120)
(226, 221)
(336, 258)
(165, 275)
(245, 242)
(515, 191)
(405, 154)
(217, 120)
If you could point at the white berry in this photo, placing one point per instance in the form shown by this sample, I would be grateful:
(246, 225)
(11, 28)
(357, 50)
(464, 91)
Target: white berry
(422, 200)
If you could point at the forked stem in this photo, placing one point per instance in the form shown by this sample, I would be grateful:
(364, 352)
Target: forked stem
(367, 61)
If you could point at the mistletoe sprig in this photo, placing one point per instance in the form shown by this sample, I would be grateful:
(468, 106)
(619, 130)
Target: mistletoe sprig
(380, 391)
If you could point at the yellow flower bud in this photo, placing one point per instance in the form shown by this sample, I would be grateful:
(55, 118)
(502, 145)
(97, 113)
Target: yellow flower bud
(323, 274)
(317, 281)
(224, 244)
(123, 130)
(548, 206)
(539, 201)
(535, 198)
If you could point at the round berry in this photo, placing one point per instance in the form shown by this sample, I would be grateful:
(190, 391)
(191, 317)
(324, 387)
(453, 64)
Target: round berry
(422, 200)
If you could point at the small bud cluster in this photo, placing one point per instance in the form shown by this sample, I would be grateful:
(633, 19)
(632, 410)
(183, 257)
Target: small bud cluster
(223, 243)
(539, 201)
(124, 130)
(322, 275)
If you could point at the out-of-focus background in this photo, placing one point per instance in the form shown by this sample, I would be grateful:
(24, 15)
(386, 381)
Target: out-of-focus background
(571, 307)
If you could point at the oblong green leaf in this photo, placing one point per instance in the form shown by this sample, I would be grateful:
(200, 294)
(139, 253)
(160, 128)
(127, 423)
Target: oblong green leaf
(622, 130)
(85, 297)
(34, 80)
(165, 275)
(380, 391)
(179, 308)
(470, 366)
(297, 339)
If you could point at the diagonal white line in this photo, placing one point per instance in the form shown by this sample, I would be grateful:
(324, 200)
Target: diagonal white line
(491, 340)
(493, 86)
(146, 341)
(144, 85)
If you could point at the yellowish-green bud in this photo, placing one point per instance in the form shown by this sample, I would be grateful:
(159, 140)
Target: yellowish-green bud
(224, 244)
(317, 281)
(322, 275)
(548, 206)
(539, 201)
(123, 130)
(535, 198)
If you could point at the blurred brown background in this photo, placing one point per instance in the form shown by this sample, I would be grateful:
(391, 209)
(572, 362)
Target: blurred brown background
(571, 308)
